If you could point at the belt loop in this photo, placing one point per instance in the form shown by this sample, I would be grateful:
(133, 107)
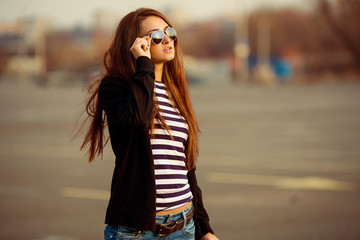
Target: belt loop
(184, 216)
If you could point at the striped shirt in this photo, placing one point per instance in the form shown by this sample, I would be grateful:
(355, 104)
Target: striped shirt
(172, 188)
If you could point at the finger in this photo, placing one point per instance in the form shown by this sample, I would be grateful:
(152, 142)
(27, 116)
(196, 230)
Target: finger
(144, 43)
(147, 38)
(140, 47)
(149, 41)
(140, 41)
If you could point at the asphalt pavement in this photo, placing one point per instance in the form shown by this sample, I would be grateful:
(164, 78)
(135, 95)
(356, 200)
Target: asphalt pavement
(275, 163)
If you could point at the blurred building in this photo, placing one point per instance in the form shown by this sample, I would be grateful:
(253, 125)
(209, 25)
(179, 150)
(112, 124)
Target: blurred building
(10, 35)
(23, 48)
(269, 45)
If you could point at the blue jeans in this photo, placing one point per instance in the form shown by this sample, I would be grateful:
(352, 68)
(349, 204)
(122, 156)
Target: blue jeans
(126, 233)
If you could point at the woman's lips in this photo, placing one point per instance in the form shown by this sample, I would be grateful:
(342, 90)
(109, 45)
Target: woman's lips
(168, 49)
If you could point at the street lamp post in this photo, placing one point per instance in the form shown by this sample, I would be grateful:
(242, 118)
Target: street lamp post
(241, 46)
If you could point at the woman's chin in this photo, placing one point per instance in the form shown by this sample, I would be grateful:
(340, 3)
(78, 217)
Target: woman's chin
(163, 59)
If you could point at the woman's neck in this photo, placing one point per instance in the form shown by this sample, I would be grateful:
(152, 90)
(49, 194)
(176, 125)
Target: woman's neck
(158, 72)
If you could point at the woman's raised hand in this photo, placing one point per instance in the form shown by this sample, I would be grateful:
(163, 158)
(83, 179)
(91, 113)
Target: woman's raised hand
(141, 47)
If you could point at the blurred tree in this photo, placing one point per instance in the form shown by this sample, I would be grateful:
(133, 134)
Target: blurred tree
(290, 29)
(343, 22)
(66, 51)
(3, 60)
(209, 39)
(306, 40)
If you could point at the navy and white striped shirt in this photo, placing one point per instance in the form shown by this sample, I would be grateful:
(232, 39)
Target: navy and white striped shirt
(172, 188)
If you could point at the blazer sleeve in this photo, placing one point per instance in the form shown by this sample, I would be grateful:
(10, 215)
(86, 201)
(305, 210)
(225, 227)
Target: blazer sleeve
(129, 104)
(201, 218)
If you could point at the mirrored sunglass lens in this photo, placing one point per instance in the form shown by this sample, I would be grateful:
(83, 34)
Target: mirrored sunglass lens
(157, 37)
(171, 33)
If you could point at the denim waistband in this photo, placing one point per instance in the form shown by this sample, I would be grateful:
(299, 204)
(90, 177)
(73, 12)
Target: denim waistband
(160, 219)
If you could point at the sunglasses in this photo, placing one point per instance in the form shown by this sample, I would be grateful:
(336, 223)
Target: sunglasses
(158, 36)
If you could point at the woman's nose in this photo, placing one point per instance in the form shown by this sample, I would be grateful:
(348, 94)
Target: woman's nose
(166, 39)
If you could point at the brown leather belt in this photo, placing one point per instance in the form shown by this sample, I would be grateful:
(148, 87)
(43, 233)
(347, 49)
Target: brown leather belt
(171, 227)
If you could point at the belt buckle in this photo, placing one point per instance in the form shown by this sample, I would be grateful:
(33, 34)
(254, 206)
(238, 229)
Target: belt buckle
(160, 234)
(172, 225)
(168, 226)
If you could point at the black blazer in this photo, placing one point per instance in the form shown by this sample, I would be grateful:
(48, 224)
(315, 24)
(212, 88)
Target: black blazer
(128, 107)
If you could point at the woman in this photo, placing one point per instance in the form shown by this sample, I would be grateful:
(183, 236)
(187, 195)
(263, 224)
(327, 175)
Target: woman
(144, 101)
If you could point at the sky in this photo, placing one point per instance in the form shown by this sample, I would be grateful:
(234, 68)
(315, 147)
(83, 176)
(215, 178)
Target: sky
(80, 12)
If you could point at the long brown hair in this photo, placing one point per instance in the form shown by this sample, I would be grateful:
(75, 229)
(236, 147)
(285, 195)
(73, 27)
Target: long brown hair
(119, 61)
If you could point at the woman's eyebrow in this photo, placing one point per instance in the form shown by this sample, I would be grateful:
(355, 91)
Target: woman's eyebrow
(153, 30)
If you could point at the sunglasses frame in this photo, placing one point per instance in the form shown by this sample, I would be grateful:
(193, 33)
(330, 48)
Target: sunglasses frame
(163, 35)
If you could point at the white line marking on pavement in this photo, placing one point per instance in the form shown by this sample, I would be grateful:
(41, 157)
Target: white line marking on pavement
(85, 193)
(308, 183)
